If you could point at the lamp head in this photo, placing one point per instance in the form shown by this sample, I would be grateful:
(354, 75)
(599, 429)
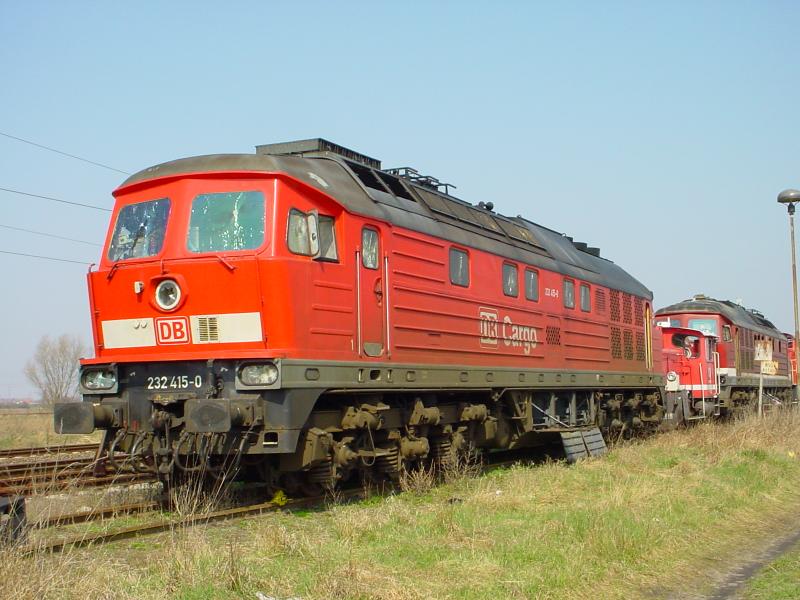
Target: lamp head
(789, 196)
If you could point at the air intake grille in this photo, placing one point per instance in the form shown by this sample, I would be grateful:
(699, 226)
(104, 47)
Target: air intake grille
(627, 313)
(616, 343)
(628, 337)
(208, 328)
(615, 313)
(640, 346)
(553, 335)
(638, 311)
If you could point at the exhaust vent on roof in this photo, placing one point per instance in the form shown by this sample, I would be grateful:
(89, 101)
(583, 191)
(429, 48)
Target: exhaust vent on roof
(316, 147)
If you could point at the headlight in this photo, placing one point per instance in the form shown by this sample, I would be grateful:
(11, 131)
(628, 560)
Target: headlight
(259, 374)
(168, 294)
(672, 376)
(99, 379)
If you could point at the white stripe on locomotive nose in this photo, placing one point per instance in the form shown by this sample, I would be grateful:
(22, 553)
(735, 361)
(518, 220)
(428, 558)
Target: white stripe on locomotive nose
(230, 328)
(129, 333)
(140, 333)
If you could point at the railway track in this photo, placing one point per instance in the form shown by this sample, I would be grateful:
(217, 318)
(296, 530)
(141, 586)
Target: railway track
(48, 451)
(54, 469)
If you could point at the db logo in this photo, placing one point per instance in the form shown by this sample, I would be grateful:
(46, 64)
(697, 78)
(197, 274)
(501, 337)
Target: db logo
(172, 330)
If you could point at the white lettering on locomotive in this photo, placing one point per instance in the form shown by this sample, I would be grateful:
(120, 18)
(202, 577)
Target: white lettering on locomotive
(551, 292)
(513, 335)
(488, 327)
(518, 336)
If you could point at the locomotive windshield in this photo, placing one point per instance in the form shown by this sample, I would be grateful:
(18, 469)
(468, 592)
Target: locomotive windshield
(707, 326)
(139, 231)
(226, 221)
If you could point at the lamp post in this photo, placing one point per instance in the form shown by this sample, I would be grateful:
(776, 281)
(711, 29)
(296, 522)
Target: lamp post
(789, 198)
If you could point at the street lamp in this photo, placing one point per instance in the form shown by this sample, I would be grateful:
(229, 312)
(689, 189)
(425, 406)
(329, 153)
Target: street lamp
(789, 198)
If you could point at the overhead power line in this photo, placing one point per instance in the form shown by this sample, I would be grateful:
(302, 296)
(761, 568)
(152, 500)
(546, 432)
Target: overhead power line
(86, 160)
(55, 199)
(77, 262)
(51, 235)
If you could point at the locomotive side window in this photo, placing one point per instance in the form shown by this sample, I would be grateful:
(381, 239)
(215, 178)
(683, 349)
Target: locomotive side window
(586, 298)
(297, 234)
(139, 231)
(298, 237)
(726, 333)
(569, 293)
(510, 282)
(327, 239)
(369, 248)
(459, 267)
(532, 285)
(227, 221)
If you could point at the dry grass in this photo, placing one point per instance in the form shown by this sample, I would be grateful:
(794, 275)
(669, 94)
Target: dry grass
(651, 518)
(23, 429)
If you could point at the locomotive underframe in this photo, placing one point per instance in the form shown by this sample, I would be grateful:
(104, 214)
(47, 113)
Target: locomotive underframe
(329, 420)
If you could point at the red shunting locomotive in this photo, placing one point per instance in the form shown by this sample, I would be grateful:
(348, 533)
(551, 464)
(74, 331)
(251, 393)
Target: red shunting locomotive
(306, 315)
(721, 372)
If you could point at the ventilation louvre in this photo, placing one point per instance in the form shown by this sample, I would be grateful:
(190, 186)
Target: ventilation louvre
(600, 301)
(553, 335)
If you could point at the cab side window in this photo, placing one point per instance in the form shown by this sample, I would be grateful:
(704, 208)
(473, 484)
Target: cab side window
(510, 282)
(297, 234)
(569, 293)
(459, 267)
(532, 285)
(298, 238)
(369, 248)
(586, 298)
(327, 239)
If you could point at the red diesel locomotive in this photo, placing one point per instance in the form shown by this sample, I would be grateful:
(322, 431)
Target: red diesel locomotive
(302, 312)
(734, 331)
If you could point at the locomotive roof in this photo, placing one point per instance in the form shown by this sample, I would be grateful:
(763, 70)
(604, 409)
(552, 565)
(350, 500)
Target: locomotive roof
(735, 313)
(371, 192)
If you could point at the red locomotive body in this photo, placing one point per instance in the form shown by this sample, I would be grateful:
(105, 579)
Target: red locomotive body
(303, 305)
(691, 364)
(737, 330)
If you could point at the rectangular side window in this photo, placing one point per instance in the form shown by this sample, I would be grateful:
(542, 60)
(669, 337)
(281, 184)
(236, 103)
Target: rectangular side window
(297, 234)
(586, 298)
(569, 293)
(726, 333)
(327, 239)
(459, 267)
(369, 248)
(510, 283)
(532, 285)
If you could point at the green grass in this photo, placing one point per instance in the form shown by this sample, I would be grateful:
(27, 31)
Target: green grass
(778, 581)
(653, 517)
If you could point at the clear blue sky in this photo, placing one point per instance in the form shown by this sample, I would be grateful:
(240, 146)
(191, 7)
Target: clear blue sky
(659, 131)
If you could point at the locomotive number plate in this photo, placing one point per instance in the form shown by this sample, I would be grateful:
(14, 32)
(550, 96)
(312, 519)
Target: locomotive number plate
(174, 382)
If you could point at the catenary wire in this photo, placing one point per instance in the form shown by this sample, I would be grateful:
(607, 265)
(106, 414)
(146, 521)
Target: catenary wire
(86, 160)
(55, 199)
(66, 260)
(51, 235)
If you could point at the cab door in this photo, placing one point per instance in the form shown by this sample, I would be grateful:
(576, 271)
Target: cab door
(371, 292)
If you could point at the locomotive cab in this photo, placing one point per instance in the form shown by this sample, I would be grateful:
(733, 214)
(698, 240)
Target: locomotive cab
(691, 362)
